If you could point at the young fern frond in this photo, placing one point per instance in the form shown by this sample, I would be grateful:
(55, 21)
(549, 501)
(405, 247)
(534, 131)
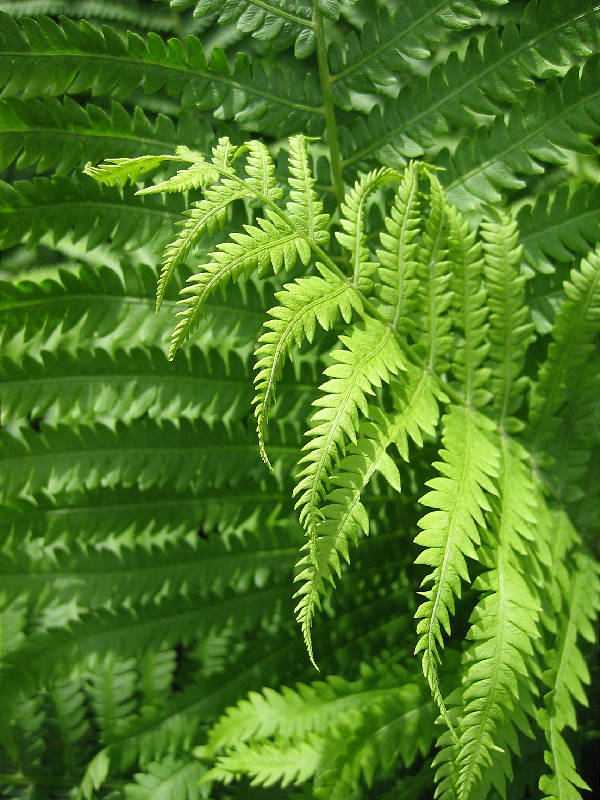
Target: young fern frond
(504, 623)
(369, 358)
(302, 305)
(469, 310)
(510, 332)
(353, 236)
(397, 284)
(344, 513)
(450, 532)
(303, 208)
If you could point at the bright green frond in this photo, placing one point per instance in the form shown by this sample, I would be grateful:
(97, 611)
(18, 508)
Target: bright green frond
(433, 274)
(270, 243)
(343, 511)
(509, 326)
(304, 209)
(169, 779)
(302, 305)
(504, 623)
(369, 358)
(459, 496)
(129, 169)
(397, 284)
(469, 310)
(353, 237)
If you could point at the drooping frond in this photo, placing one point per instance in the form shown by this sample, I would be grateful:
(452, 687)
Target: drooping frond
(397, 283)
(509, 328)
(566, 675)
(370, 356)
(504, 623)
(343, 511)
(270, 243)
(353, 237)
(469, 310)
(574, 333)
(302, 305)
(450, 532)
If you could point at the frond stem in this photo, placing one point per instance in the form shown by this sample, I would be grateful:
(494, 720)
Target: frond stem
(328, 109)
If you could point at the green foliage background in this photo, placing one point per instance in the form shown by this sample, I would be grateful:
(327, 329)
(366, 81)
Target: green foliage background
(147, 633)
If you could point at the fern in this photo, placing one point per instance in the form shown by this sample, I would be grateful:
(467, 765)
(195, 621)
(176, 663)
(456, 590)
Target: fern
(387, 210)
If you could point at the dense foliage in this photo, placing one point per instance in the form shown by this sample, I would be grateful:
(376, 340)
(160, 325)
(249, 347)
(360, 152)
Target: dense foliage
(362, 432)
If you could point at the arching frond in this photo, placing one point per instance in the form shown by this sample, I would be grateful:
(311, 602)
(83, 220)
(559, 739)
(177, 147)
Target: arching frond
(397, 269)
(370, 356)
(302, 305)
(459, 496)
(510, 329)
(353, 237)
(469, 310)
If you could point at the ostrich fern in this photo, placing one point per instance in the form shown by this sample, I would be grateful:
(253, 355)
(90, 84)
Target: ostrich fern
(360, 433)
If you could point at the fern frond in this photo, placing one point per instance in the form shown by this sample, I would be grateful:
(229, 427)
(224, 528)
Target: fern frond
(112, 688)
(370, 357)
(566, 675)
(464, 92)
(574, 333)
(560, 226)
(97, 386)
(284, 23)
(344, 513)
(509, 328)
(397, 283)
(169, 779)
(308, 707)
(303, 208)
(131, 12)
(469, 310)
(352, 221)
(64, 135)
(434, 295)
(302, 305)
(127, 169)
(450, 532)
(267, 763)
(201, 219)
(544, 128)
(399, 727)
(71, 58)
(270, 243)
(142, 454)
(503, 625)
(390, 44)
(147, 570)
(81, 209)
